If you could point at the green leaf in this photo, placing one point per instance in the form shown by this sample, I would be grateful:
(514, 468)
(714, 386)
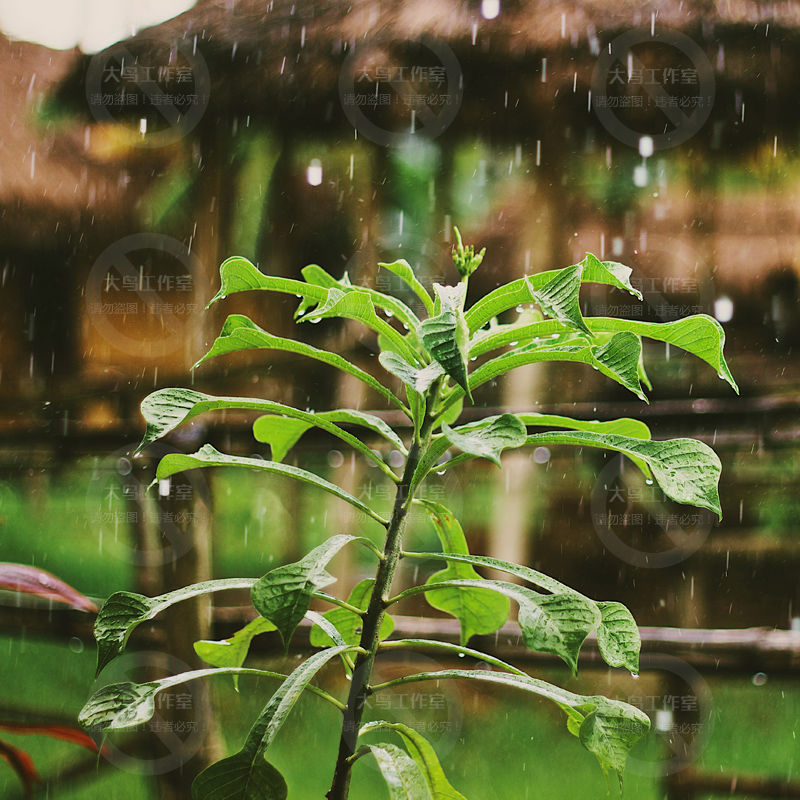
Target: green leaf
(357, 305)
(282, 433)
(283, 595)
(424, 756)
(242, 776)
(559, 298)
(610, 737)
(480, 611)
(315, 274)
(551, 623)
(318, 276)
(526, 573)
(446, 337)
(451, 414)
(610, 734)
(611, 273)
(501, 433)
(325, 625)
(403, 270)
(485, 439)
(624, 426)
(241, 333)
(417, 379)
(346, 622)
(700, 335)
(232, 652)
(239, 777)
(123, 611)
(349, 416)
(686, 470)
(122, 706)
(617, 634)
(618, 637)
(166, 409)
(618, 359)
(478, 655)
(417, 405)
(208, 456)
(403, 777)
(237, 274)
(518, 292)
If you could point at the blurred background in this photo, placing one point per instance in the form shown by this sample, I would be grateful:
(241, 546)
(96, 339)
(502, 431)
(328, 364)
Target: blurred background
(143, 143)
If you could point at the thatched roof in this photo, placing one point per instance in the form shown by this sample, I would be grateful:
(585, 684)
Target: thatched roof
(53, 171)
(282, 60)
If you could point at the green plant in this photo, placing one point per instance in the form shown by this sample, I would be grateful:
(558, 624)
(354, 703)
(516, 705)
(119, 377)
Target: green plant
(432, 359)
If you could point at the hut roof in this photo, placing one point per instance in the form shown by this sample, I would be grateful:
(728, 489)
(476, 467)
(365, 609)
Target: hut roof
(282, 60)
(53, 169)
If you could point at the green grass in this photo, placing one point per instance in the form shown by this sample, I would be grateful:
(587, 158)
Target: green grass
(53, 679)
(502, 746)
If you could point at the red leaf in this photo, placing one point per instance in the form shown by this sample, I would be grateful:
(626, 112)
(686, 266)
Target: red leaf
(32, 580)
(66, 733)
(22, 764)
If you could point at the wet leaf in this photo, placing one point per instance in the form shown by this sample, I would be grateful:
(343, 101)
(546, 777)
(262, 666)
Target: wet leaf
(283, 595)
(240, 333)
(423, 754)
(123, 611)
(618, 637)
(686, 470)
(208, 456)
(480, 611)
(489, 441)
(232, 652)
(403, 777)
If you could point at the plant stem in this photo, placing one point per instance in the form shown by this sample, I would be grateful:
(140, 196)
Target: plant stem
(381, 591)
